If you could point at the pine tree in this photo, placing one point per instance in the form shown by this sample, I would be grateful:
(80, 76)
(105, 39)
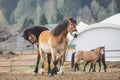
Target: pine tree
(27, 22)
(43, 20)
(59, 16)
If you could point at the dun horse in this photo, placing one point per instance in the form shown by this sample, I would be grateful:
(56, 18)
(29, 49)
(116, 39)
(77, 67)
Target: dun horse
(101, 58)
(55, 42)
(91, 56)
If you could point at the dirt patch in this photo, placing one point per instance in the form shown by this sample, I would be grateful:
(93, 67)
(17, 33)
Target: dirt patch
(67, 76)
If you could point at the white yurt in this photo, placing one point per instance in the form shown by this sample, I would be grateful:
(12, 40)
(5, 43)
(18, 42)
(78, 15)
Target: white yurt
(100, 34)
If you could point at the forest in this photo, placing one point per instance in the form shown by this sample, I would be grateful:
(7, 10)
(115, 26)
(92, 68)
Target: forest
(24, 13)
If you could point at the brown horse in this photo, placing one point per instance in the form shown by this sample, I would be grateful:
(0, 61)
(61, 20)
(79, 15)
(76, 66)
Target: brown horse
(101, 58)
(55, 42)
(91, 56)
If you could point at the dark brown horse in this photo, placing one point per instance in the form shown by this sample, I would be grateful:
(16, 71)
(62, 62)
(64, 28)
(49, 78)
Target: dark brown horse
(100, 59)
(54, 42)
(31, 34)
(88, 56)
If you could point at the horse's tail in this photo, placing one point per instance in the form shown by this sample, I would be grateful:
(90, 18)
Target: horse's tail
(72, 59)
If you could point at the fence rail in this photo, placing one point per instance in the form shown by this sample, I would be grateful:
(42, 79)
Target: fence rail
(112, 50)
(11, 60)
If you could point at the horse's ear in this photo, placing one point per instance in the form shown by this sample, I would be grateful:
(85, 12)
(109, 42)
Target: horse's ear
(71, 18)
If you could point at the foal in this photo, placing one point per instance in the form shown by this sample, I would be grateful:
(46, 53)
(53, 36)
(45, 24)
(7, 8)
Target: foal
(91, 56)
(101, 58)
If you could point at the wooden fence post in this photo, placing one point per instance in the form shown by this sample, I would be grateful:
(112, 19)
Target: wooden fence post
(10, 62)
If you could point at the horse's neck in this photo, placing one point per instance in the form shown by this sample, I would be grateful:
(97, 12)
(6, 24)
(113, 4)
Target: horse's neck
(96, 52)
(63, 35)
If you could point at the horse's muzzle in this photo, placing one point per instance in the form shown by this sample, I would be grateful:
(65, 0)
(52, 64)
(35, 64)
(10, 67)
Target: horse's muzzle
(75, 36)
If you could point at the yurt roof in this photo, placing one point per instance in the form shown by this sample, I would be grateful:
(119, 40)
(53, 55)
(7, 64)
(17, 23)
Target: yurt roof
(98, 25)
(115, 19)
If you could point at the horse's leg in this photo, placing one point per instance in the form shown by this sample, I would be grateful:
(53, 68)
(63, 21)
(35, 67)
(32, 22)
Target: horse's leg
(99, 65)
(54, 70)
(104, 64)
(77, 66)
(103, 61)
(91, 67)
(42, 67)
(49, 62)
(42, 61)
(94, 68)
(37, 63)
(85, 65)
(62, 59)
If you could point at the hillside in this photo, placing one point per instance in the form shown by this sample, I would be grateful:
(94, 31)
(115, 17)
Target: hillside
(40, 12)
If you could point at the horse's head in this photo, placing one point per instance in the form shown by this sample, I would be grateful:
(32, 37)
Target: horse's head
(100, 50)
(72, 27)
(27, 35)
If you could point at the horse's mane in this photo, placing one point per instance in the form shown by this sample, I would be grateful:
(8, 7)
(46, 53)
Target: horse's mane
(60, 27)
(35, 30)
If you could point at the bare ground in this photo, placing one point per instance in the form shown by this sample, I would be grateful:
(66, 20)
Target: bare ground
(66, 76)
(25, 73)
(113, 73)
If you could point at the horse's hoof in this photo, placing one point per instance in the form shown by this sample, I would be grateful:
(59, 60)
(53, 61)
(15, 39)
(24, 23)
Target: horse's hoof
(49, 74)
(34, 74)
(60, 73)
(42, 71)
(55, 75)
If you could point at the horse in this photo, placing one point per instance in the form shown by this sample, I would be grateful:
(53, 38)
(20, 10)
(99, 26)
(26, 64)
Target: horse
(88, 56)
(31, 34)
(54, 42)
(101, 58)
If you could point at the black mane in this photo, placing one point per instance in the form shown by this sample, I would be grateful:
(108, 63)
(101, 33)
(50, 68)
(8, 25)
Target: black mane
(35, 30)
(59, 28)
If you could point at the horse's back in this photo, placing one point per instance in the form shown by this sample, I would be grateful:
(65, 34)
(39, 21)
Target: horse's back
(44, 36)
(84, 55)
(79, 54)
(44, 41)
